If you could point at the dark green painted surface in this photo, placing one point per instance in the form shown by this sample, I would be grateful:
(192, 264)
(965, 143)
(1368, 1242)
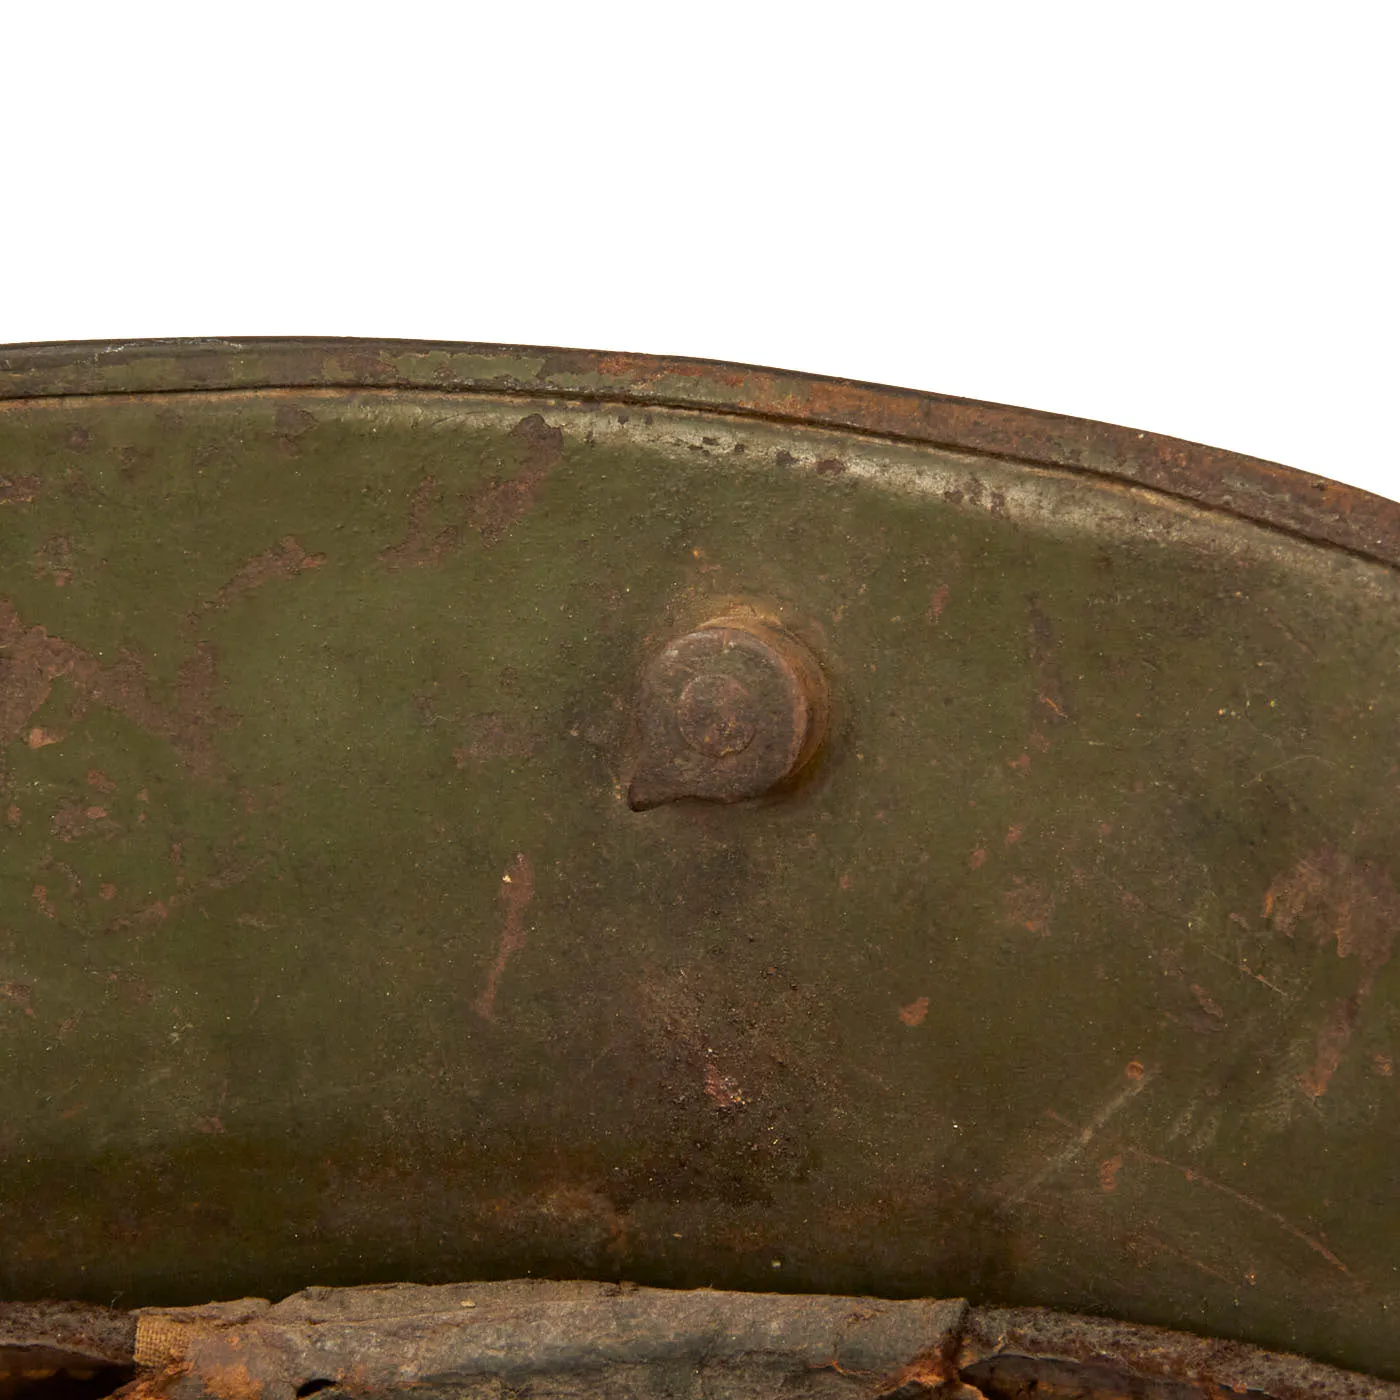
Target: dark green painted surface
(1066, 979)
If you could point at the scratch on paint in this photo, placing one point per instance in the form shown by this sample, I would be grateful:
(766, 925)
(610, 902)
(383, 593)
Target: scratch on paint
(1248, 971)
(1068, 1155)
(1161, 1245)
(1196, 1178)
(1352, 905)
(517, 890)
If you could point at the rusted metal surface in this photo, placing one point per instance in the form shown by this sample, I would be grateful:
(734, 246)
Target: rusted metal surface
(727, 712)
(595, 1340)
(96, 1334)
(1313, 506)
(1015, 1352)
(64, 1351)
(332, 949)
(555, 1339)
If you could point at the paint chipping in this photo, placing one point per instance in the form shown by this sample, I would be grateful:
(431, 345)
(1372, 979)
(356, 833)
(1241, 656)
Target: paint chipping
(498, 505)
(437, 523)
(34, 660)
(54, 560)
(285, 560)
(426, 542)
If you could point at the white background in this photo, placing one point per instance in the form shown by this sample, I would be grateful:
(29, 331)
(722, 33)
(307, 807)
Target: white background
(1181, 216)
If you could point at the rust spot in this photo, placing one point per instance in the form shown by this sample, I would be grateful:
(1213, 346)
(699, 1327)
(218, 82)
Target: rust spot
(723, 1089)
(73, 819)
(517, 890)
(1383, 1065)
(1029, 907)
(96, 778)
(915, 1013)
(19, 490)
(1013, 835)
(285, 560)
(726, 712)
(18, 994)
(1134, 1069)
(1207, 1003)
(1022, 764)
(41, 898)
(926, 1375)
(234, 1382)
(41, 738)
(1051, 705)
(1108, 1173)
(13, 815)
(108, 892)
(977, 859)
(54, 560)
(937, 603)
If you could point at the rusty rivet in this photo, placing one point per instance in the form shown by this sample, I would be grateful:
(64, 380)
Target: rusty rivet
(728, 711)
